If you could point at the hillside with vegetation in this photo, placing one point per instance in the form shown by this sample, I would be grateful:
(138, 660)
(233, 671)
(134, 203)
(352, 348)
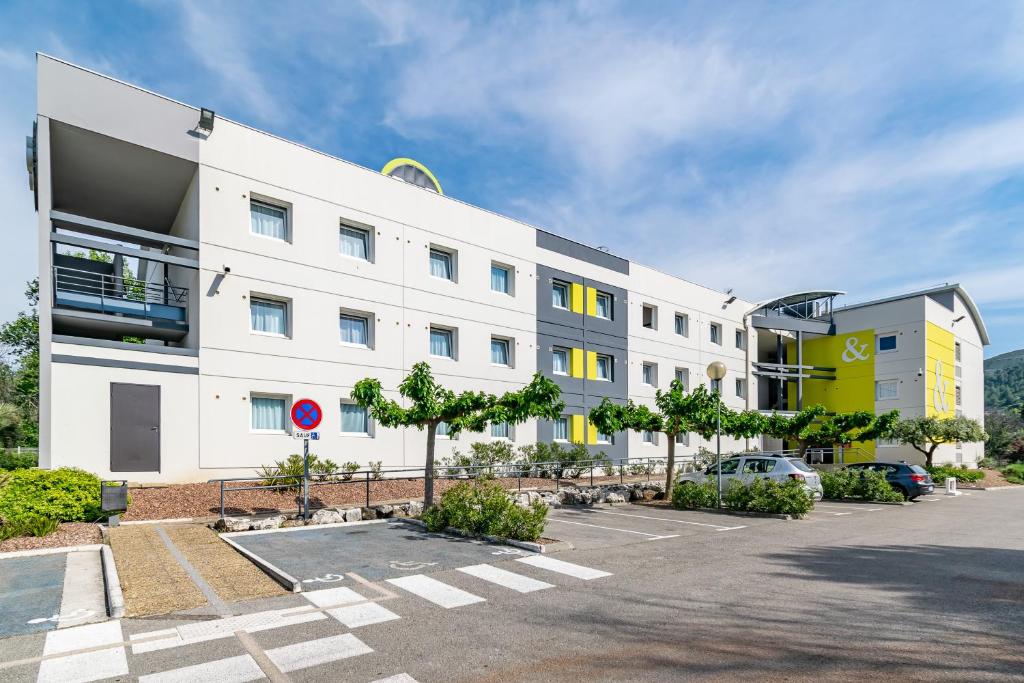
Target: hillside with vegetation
(1004, 380)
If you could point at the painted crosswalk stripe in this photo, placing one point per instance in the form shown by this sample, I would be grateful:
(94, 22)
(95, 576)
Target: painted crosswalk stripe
(190, 634)
(331, 597)
(436, 592)
(399, 678)
(362, 614)
(231, 670)
(568, 568)
(315, 652)
(85, 666)
(517, 582)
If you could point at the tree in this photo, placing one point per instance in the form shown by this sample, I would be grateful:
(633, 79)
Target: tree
(1005, 439)
(19, 339)
(678, 413)
(816, 427)
(926, 434)
(432, 404)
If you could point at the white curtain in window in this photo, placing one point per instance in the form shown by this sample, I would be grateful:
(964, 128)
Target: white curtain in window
(268, 413)
(682, 325)
(560, 362)
(560, 296)
(648, 437)
(354, 242)
(603, 303)
(499, 430)
(442, 429)
(268, 221)
(683, 438)
(648, 374)
(561, 429)
(353, 419)
(268, 316)
(440, 265)
(499, 279)
(499, 352)
(602, 368)
(353, 330)
(441, 343)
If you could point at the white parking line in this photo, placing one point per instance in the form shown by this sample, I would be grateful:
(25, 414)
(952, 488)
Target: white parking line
(399, 678)
(506, 579)
(85, 666)
(240, 669)
(651, 537)
(313, 652)
(363, 614)
(717, 527)
(568, 568)
(436, 592)
(333, 596)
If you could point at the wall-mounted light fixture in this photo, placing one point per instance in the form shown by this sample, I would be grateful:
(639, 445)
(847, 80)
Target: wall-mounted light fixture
(956, 320)
(206, 117)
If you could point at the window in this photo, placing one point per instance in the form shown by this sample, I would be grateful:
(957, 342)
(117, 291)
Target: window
(958, 372)
(683, 438)
(500, 430)
(500, 352)
(682, 325)
(728, 467)
(354, 242)
(604, 306)
(501, 278)
(650, 317)
(741, 340)
(885, 343)
(956, 351)
(649, 374)
(683, 377)
(716, 386)
(560, 361)
(443, 430)
(560, 295)
(561, 429)
(716, 333)
(355, 330)
(959, 395)
(441, 343)
(267, 316)
(603, 367)
(647, 437)
(605, 438)
(441, 265)
(887, 443)
(758, 466)
(354, 420)
(886, 389)
(267, 220)
(268, 413)
(741, 387)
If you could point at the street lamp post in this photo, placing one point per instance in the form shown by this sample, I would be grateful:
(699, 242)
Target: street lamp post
(716, 371)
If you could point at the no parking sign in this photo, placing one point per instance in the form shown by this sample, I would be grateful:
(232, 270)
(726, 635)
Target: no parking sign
(306, 414)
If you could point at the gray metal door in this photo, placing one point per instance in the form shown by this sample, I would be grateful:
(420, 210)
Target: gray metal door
(134, 428)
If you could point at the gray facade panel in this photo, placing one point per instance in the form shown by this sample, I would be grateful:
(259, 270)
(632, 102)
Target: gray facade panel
(552, 242)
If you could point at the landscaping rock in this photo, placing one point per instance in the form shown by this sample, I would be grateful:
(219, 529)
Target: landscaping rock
(415, 508)
(232, 524)
(384, 511)
(328, 516)
(615, 498)
(368, 513)
(267, 523)
(352, 514)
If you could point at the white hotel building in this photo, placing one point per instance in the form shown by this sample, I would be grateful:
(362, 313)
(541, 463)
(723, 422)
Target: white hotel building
(257, 271)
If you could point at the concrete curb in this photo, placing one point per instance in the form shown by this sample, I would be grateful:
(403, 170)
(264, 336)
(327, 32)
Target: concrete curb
(112, 583)
(51, 551)
(282, 577)
(541, 548)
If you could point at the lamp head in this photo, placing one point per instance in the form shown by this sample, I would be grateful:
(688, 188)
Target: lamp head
(716, 370)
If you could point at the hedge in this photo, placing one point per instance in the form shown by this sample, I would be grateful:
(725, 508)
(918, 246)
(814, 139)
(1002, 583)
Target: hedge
(762, 495)
(865, 484)
(940, 473)
(62, 495)
(486, 508)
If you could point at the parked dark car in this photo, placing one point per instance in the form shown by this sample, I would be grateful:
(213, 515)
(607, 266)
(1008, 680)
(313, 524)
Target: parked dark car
(910, 481)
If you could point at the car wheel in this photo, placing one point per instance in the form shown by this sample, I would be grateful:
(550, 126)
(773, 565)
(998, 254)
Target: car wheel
(902, 491)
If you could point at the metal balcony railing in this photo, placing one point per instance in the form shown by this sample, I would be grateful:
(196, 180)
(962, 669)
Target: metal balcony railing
(116, 295)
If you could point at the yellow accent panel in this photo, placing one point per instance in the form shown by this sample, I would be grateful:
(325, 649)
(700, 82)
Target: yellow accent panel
(939, 370)
(591, 301)
(576, 297)
(591, 432)
(576, 362)
(403, 161)
(853, 356)
(577, 428)
(591, 365)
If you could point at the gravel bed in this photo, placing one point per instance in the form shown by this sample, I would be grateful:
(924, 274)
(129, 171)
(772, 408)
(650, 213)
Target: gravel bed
(67, 534)
(203, 500)
(993, 479)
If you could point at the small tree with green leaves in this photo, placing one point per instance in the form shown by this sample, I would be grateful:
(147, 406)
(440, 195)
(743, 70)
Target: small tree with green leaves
(431, 404)
(677, 413)
(926, 434)
(816, 427)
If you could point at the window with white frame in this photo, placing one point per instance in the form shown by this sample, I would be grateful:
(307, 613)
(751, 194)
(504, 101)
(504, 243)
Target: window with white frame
(355, 329)
(443, 430)
(268, 220)
(885, 343)
(648, 437)
(682, 324)
(683, 377)
(268, 316)
(354, 419)
(959, 395)
(501, 278)
(603, 305)
(268, 413)
(442, 264)
(650, 316)
(887, 389)
(958, 372)
(741, 387)
(500, 352)
(956, 351)
(560, 429)
(442, 344)
(607, 439)
(741, 339)
(715, 333)
(560, 361)
(683, 438)
(603, 367)
(716, 386)
(354, 242)
(649, 374)
(887, 443)
(560, 295)
(501, 430)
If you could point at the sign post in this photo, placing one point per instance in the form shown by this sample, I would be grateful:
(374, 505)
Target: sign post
(306, 415)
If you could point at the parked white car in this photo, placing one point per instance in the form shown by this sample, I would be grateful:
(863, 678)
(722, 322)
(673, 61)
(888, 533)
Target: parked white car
(745, 468)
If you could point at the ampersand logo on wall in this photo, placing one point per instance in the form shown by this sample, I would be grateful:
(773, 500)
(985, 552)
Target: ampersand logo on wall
(853, 351)
(939, 389)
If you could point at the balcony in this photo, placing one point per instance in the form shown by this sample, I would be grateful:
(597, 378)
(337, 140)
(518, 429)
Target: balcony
(90, 300)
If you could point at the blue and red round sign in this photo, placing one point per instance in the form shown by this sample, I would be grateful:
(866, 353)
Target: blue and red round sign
(306, 414)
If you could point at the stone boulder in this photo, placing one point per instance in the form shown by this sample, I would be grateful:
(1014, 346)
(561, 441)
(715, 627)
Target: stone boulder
(615, 498)
(232, 524)
(326, 516)
(351, 514)
(415, 508)
(384, 511)
(368, 513)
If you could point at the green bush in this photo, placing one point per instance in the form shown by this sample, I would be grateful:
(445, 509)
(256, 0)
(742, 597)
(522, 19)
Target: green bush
(9, 460)
(940, 473)
(292, 469)
(857, 483)
(789, 497)
(348, 470)
(837, 484)
(62, 495)
(486, 508)
(1014, 473)
(689, 494)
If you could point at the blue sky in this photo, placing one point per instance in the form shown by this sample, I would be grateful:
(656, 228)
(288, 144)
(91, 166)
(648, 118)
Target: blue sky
(767, 147)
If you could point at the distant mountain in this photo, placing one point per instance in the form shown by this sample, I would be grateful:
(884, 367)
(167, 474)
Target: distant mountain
(1004, 380)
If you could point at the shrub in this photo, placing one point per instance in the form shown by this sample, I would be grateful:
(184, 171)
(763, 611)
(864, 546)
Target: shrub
(688, 495)
(1014, 473)
(940, 473)
(377, 469)
(9, 460)
(486, 508)
(292, 468)
(788, 497)
(62, 495)
(866, 484)
(348, 470)
(837, 484)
